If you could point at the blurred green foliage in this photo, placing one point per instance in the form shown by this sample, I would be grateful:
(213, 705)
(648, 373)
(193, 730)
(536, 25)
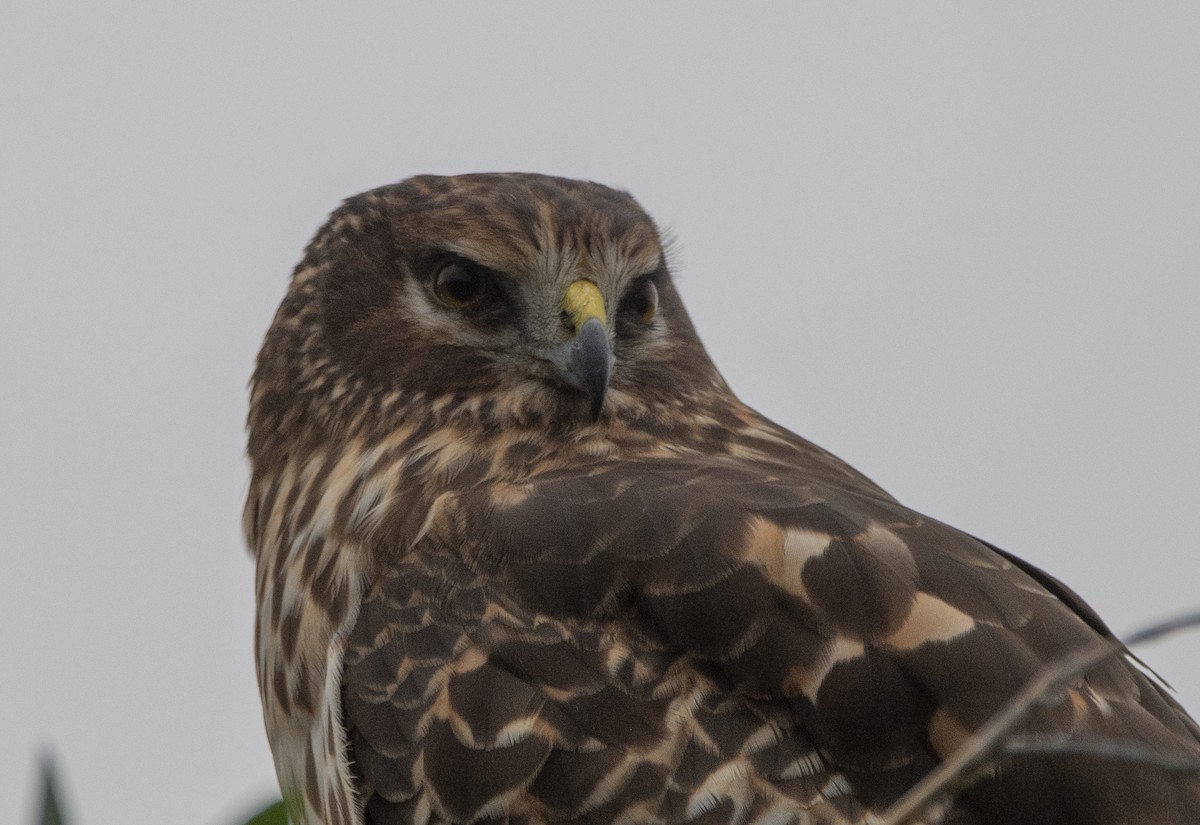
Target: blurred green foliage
(52, 809)
(52, 813)
(273, 814)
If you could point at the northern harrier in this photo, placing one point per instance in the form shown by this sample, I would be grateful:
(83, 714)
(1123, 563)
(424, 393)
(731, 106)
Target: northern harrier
(522, 556)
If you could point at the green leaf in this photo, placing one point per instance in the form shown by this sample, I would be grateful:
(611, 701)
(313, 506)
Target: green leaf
(52, 811)
(273, 814)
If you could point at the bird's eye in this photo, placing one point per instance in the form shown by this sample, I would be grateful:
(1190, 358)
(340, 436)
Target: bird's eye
(458, 285)
(642, 300)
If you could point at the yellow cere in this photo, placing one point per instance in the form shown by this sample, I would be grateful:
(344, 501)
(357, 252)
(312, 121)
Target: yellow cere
(582, 301)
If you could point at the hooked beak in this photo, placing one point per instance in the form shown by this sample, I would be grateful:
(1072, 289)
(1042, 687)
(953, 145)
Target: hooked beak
(585, 362)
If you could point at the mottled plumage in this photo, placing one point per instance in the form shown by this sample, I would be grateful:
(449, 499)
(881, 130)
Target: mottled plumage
(523, 556)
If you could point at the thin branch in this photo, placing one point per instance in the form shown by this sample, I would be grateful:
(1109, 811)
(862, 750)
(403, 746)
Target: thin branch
(986, 743)
(1163, 628)
(1118, 749)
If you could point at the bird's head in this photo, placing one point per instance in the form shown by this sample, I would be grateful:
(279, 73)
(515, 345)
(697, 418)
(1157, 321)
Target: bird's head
(518, 299)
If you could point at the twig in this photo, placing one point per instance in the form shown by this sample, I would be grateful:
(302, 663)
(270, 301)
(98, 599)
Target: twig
(962, 765)
(1118, 749)
(1164, 628)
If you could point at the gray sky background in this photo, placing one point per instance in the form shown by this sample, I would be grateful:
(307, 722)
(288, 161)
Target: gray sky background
(956, 243)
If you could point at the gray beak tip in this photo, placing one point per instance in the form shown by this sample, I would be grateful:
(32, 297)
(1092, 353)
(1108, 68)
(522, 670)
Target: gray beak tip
(590, 362)
(585, 363)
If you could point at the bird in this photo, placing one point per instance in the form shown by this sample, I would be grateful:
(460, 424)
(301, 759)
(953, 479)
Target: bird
(522, 556)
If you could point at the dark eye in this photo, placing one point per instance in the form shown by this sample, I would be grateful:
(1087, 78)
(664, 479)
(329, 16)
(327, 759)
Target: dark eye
(641, 301)
(458, 285)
